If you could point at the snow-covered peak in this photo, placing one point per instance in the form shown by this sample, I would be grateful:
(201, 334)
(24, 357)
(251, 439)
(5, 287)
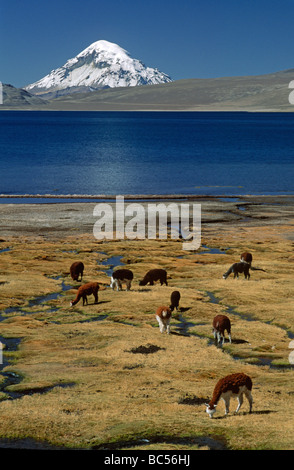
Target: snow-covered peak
(101, 49)
(102, 64)
(104, 46)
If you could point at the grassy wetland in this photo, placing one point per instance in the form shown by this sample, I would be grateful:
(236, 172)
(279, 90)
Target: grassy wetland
(101, 376)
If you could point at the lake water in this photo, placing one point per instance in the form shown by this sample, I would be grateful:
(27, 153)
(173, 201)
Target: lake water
(120, 153)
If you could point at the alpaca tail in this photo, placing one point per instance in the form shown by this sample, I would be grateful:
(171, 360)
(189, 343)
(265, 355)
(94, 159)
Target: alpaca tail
(258, 269)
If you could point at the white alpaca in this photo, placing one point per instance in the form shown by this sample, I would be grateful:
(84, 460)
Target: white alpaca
(163, 316)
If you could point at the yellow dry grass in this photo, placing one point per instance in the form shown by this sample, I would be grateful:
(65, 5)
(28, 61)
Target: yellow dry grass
(83, 383)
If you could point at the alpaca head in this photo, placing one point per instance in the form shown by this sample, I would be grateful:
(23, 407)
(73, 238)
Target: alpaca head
(209, 410)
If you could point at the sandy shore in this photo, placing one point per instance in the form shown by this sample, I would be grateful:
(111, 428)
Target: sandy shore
(52, 219)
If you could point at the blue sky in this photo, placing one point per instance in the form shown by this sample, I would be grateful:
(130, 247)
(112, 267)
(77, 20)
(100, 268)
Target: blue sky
(185, 38)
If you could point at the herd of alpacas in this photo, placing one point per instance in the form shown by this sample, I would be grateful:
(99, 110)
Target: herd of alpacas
(233, 385)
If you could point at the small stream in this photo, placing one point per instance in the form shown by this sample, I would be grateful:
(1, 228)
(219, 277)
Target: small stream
(214, 251)
(263, 359)
(110, 263)
(182, 328)
(11, 378)
(11, 344)
(184, 325)
(40, 300)
(4, 250)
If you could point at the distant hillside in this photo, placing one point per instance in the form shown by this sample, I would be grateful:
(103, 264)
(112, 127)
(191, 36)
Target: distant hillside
(19, 98)
(266, 92)
(253, 93)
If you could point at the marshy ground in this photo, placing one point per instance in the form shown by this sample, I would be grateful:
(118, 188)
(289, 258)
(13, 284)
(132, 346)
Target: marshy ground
(101, 376)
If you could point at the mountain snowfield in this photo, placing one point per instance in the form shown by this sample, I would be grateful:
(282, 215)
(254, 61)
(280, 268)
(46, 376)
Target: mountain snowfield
(101, 65)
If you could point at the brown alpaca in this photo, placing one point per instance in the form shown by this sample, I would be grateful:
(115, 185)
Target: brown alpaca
(220, 324)
(246, 258)
(83, 291)
(77, 269)
(231, 385)
(163, 316)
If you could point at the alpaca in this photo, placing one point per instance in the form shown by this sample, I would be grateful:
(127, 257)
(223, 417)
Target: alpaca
(77, 269)
(238, 268)
(246, 258)
(163, 316)
(174, 300)
(234, 385)
(120, 276)
(154, 275)
(84, 291)
(220, 324)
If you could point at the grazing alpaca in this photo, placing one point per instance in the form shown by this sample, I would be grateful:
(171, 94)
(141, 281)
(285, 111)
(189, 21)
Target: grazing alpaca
(230, 386)
(174, 300)
(246, 258)
(220, 324)
(120, 276)
(84, 291)
(154, 275)
(77, 269)
(238, 268)
(163, 316)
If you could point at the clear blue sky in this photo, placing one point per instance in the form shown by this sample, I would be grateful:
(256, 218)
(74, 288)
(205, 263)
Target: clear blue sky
(183, 38)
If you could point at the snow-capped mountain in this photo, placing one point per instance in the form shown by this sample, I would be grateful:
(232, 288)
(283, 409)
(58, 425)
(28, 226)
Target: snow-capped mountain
(101, 65)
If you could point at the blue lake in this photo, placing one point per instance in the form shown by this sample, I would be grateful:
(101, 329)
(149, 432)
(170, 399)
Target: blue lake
(120, 153)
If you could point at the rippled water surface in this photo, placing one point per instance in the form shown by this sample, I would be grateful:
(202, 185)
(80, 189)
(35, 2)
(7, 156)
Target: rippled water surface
(146, 153)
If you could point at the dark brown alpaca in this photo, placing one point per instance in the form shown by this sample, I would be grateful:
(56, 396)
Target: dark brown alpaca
(154, 275)
(77, 269)
(174, 300)
(238, 268)
(120, 276)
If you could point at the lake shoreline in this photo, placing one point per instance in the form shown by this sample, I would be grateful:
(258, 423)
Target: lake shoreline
(76, 218)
